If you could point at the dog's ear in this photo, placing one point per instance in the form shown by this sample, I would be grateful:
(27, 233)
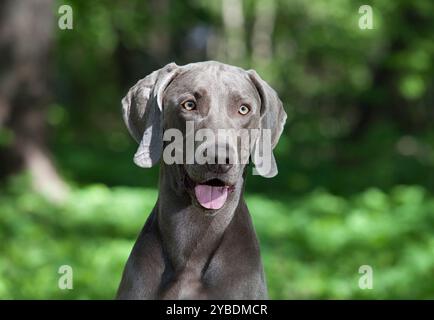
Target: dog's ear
(273, 118)
(142, 112)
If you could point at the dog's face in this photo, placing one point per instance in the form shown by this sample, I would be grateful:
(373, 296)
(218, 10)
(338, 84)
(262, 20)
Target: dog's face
(222, 101)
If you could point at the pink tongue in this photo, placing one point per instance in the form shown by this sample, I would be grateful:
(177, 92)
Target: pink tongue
(211, 197)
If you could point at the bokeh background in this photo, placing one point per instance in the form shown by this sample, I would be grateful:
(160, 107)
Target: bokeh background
(356, 160)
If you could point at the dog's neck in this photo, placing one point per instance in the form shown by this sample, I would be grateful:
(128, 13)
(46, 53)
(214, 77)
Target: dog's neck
(189, 233)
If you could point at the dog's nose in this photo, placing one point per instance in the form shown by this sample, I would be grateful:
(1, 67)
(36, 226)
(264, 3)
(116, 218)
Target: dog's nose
(220, 167)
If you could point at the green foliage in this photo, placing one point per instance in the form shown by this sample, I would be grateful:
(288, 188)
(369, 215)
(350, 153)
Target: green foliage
(93, 233)
(312, 246)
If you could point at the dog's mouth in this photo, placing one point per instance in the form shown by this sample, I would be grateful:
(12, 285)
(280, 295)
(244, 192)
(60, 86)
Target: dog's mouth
(211, 194)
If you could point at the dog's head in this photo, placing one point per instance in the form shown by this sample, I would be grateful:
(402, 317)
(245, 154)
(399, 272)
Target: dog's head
(206, 118)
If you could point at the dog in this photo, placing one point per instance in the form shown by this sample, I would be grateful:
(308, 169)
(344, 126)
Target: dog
(199, 241)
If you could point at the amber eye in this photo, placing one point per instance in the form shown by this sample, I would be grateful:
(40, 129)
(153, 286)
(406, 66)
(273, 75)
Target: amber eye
(243, 110)
(189, 105)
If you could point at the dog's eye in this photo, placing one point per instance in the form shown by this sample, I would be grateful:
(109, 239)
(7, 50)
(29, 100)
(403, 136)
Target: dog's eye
(243, 110)
(189, 105)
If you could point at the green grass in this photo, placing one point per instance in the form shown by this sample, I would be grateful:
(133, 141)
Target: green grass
(312, 245)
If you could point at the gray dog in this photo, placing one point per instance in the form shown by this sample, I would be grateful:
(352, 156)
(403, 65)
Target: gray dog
(199, 241)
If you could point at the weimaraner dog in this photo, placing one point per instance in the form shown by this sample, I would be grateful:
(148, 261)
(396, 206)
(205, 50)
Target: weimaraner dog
(199, 241)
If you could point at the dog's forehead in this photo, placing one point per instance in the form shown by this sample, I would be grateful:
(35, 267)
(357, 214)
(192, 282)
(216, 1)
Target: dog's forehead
(213, 77)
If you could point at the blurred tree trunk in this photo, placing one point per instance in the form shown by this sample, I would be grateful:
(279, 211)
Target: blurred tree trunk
(233, 22)
(263, 28)
(160, 37)
(26, 38)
